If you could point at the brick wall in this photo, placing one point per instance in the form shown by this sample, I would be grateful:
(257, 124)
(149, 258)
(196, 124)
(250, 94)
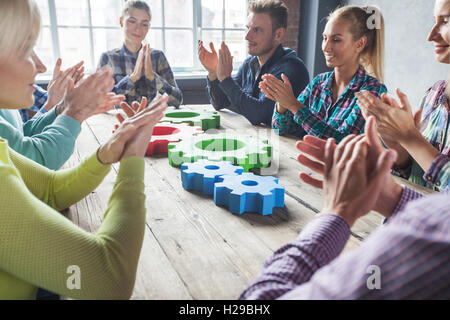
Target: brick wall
(291, 38)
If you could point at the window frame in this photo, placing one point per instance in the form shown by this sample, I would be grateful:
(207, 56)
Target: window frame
(196, 30)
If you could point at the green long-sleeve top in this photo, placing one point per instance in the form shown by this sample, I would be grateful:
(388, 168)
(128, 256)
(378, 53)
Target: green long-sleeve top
(38, 245)
(49, 140)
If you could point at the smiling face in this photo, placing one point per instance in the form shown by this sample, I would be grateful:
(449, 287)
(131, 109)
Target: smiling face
(260, 37)
(440, 34)
(17, 77)
(338, 45)
(136, 24)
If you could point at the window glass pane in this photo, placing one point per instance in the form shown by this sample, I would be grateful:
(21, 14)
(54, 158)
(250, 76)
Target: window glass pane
(178, 13)
(212, 36)
(155, 7)
(212, 16)
(155, 39)
(44, 49)
(106, 13)
(75, 46)
(235, 13)
(236, 43)
(105, 40)
(72, 13)
(43, 8)
(179, 50)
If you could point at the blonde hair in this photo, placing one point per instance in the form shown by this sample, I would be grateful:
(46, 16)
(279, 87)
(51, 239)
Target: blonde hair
(20, 25)
(369, 22)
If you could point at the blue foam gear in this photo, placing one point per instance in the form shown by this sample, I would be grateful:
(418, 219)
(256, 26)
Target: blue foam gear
(203, 174)
(249, 193)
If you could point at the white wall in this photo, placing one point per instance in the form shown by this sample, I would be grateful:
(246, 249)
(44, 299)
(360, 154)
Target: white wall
(410, 59)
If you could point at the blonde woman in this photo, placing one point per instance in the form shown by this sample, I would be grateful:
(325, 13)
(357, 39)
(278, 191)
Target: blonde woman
(423, 140)
(37, 244)
(353, 45)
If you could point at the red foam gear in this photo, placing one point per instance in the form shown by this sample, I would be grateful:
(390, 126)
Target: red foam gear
(165, 133)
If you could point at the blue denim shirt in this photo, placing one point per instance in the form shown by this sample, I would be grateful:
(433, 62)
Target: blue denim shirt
(241, 94)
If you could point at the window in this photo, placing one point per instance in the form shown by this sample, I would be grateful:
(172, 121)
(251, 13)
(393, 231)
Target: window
(83, 29)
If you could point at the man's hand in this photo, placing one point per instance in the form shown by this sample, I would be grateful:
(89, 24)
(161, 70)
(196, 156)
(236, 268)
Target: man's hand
(225, 65)
(111, 100)
(352, 186)
(209, 60)
(149, 74)
(315, 149)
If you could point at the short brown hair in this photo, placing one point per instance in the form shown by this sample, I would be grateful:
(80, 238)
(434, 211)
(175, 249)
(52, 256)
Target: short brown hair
(277, 11)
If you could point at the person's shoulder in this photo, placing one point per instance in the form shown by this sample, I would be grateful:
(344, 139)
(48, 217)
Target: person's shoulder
(157, 52)
(112, 52)
(322, 77)
(431, 213)
(438, 86)
(372, 84)
(290, 56)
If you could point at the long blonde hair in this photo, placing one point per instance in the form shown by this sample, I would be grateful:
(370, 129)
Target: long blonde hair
(20, 25)
(369, 22)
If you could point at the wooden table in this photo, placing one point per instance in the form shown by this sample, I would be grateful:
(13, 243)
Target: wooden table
(193, 249)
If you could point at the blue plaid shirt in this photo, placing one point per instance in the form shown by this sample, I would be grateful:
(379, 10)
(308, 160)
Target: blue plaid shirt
(319, 117)
(123, 62)
(40, 98)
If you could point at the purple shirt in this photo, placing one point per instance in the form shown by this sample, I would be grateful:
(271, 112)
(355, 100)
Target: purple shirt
(411, 253)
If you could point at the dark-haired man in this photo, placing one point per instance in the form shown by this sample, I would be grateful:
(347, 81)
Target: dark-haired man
(266, 28)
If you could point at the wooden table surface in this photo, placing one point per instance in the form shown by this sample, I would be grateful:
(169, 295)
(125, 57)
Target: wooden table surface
(193, 249)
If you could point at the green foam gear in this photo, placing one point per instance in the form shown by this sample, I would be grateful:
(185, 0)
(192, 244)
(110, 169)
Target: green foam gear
(202, 118)
(242, 150)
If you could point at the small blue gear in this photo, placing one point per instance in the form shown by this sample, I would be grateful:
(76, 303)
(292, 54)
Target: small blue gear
(202, 174)
(249, 193)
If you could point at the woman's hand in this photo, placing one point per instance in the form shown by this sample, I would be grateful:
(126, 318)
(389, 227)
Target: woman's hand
(149, 74)
(133, 135)
(281, 92)
(83, 101)
(395, 121)
(61, 82)
(137, 73)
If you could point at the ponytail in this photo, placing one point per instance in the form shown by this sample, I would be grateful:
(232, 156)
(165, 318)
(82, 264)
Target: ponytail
(369, 22)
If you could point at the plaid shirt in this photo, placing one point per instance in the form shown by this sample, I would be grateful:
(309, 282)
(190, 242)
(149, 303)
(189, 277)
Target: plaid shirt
(40, 98)
(123, 62)
(435, 127)
(410, 252)
(319, 117)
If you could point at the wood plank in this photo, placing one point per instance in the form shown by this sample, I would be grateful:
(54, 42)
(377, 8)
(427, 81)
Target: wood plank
(246, 240)
(289, 169)
(160, 280)
(192, 244)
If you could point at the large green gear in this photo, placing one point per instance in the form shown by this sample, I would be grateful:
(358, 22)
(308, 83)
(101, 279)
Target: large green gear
(242, 150)
(202, 118)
